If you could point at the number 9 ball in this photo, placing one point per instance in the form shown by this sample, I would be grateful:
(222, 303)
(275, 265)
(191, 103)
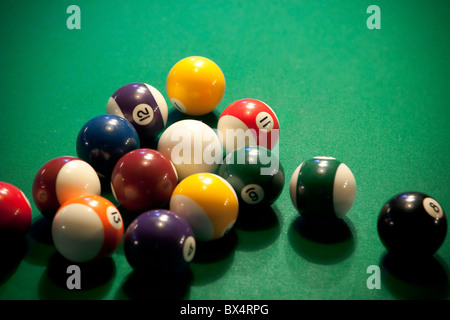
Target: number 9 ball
(255, 174)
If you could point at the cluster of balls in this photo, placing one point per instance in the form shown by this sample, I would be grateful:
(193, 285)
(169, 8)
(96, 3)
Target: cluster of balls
(192, 186)
(174, 203)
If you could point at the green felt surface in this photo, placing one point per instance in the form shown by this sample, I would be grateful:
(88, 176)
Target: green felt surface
(377, 100)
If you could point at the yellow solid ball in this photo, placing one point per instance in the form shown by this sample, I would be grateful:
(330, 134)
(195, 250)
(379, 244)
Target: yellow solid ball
(208, 203)
(195, 85)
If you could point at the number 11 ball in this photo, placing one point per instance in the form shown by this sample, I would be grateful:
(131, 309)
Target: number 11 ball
(412, 223)
(143, 106)
(323, 189)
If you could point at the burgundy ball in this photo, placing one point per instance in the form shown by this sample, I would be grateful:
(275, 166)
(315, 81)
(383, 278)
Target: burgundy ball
(143, 179)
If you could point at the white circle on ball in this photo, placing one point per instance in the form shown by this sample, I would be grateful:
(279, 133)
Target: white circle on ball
(114, 217)
(77, 232)
(143, 114)
(252, 194)
(179, 105)
(433, 208)
(344, 190)
(234, 133)
(76, 178)
(324, 158)
(293, 185)
(264, 121)
(192, 147)
(113, 108)
(189, 249)
(160, 101)
(194, 214)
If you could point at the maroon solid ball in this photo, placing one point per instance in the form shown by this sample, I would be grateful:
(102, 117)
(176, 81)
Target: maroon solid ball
(143, 179)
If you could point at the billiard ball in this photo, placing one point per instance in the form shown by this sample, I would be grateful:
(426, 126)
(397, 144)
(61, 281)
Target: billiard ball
(87, 228)
(192, 146)
(195, 85)
(412, 223)
(256, 175)
(143, 179)
(208, 203)
(248, 122)
(143, 106)
(61, 179)
(323, 189)
(15, 213)
(159, 241)
(103, 140)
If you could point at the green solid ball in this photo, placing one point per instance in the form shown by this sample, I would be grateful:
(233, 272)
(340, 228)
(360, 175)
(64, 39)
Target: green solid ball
(256, 175)
(323, 188)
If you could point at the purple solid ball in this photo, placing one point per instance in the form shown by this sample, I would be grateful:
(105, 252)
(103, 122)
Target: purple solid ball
(159, 240)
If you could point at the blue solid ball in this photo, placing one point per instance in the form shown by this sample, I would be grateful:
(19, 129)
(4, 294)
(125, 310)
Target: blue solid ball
(103, 140)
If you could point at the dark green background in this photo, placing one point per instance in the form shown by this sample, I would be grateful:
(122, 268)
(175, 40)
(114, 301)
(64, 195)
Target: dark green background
(378, 100)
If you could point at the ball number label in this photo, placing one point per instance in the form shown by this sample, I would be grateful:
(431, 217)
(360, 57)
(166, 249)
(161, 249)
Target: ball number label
(143, 114)
(189, 249)
(252, 194)
(433, 208)
(264, 121)
(114, 217)
(178, 104)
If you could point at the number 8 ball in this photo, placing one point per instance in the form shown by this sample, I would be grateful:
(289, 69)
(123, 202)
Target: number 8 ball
(412, 224)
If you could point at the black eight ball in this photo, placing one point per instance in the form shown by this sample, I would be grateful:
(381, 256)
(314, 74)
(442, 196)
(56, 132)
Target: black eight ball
(412, 223)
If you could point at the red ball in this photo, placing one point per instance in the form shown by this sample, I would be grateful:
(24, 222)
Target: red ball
(60, 180)
(15, 212)
(143, 179)
(248, 122)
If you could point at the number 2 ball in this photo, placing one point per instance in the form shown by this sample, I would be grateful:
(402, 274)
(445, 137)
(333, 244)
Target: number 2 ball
(412, 224)
(160, 241)
(15, 213)
(323, 189)
(143, 106)
(87, 228)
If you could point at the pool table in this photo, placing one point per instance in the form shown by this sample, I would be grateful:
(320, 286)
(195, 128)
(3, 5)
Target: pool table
(367, 85)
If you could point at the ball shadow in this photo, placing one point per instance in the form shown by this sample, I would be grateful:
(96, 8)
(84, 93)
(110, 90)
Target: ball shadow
(143, 285)
(41, 247)
(210, 119)
(414, 278)
(213, 258)
(12, 256)
(41, 230)
(323, 242)
(257, 227)
(95, 279)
